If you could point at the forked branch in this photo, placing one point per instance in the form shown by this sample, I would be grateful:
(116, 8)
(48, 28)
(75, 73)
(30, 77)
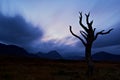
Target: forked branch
(83, 34)
(89, 23)
(83, 26)
(77, 36)
(102, 33)
(87, 18)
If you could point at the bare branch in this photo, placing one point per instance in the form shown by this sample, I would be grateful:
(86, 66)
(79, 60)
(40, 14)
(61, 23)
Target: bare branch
(83, 34)
(106, 32)
(80, 22)
(91, 22)
(77, 36)
(87, 17)
(87, 21)
(94, 29)
(102, 33)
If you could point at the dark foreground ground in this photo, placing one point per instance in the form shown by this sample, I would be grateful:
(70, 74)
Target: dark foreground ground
(39, 69)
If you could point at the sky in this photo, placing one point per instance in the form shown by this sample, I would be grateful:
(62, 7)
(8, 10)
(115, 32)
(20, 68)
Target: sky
(43, 25)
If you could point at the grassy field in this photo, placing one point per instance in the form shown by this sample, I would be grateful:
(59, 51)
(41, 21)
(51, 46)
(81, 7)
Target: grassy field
(39, 69)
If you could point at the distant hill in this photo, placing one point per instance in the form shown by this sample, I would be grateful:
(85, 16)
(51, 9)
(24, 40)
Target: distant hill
(104, 56)
(15, 51)
(99, 56)
(12, 50)
(50, 55)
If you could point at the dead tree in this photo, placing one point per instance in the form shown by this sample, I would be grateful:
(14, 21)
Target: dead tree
(89, 36)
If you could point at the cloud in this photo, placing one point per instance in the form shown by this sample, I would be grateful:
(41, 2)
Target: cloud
(16, 30)
(61, 46)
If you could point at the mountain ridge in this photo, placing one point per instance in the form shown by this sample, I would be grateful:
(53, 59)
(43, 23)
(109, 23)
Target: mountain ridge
(16, 51)
(105, 56)
(50, 55)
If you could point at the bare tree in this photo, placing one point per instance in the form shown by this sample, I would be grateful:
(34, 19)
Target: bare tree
(89, 36)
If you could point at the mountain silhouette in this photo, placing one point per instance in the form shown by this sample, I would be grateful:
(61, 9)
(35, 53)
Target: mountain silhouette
(16, 51)
(105, 56)
(50, 55)
(12, 50)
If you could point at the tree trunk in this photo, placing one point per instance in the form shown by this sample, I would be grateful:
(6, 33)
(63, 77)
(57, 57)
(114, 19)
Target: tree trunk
(89, 60)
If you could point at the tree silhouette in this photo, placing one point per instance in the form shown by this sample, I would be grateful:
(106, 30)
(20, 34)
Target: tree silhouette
(89, 36)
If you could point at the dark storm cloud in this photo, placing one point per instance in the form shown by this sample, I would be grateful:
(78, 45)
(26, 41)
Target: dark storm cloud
(15, 30)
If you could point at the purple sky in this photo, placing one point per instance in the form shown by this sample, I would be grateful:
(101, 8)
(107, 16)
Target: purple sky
(42, 25)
